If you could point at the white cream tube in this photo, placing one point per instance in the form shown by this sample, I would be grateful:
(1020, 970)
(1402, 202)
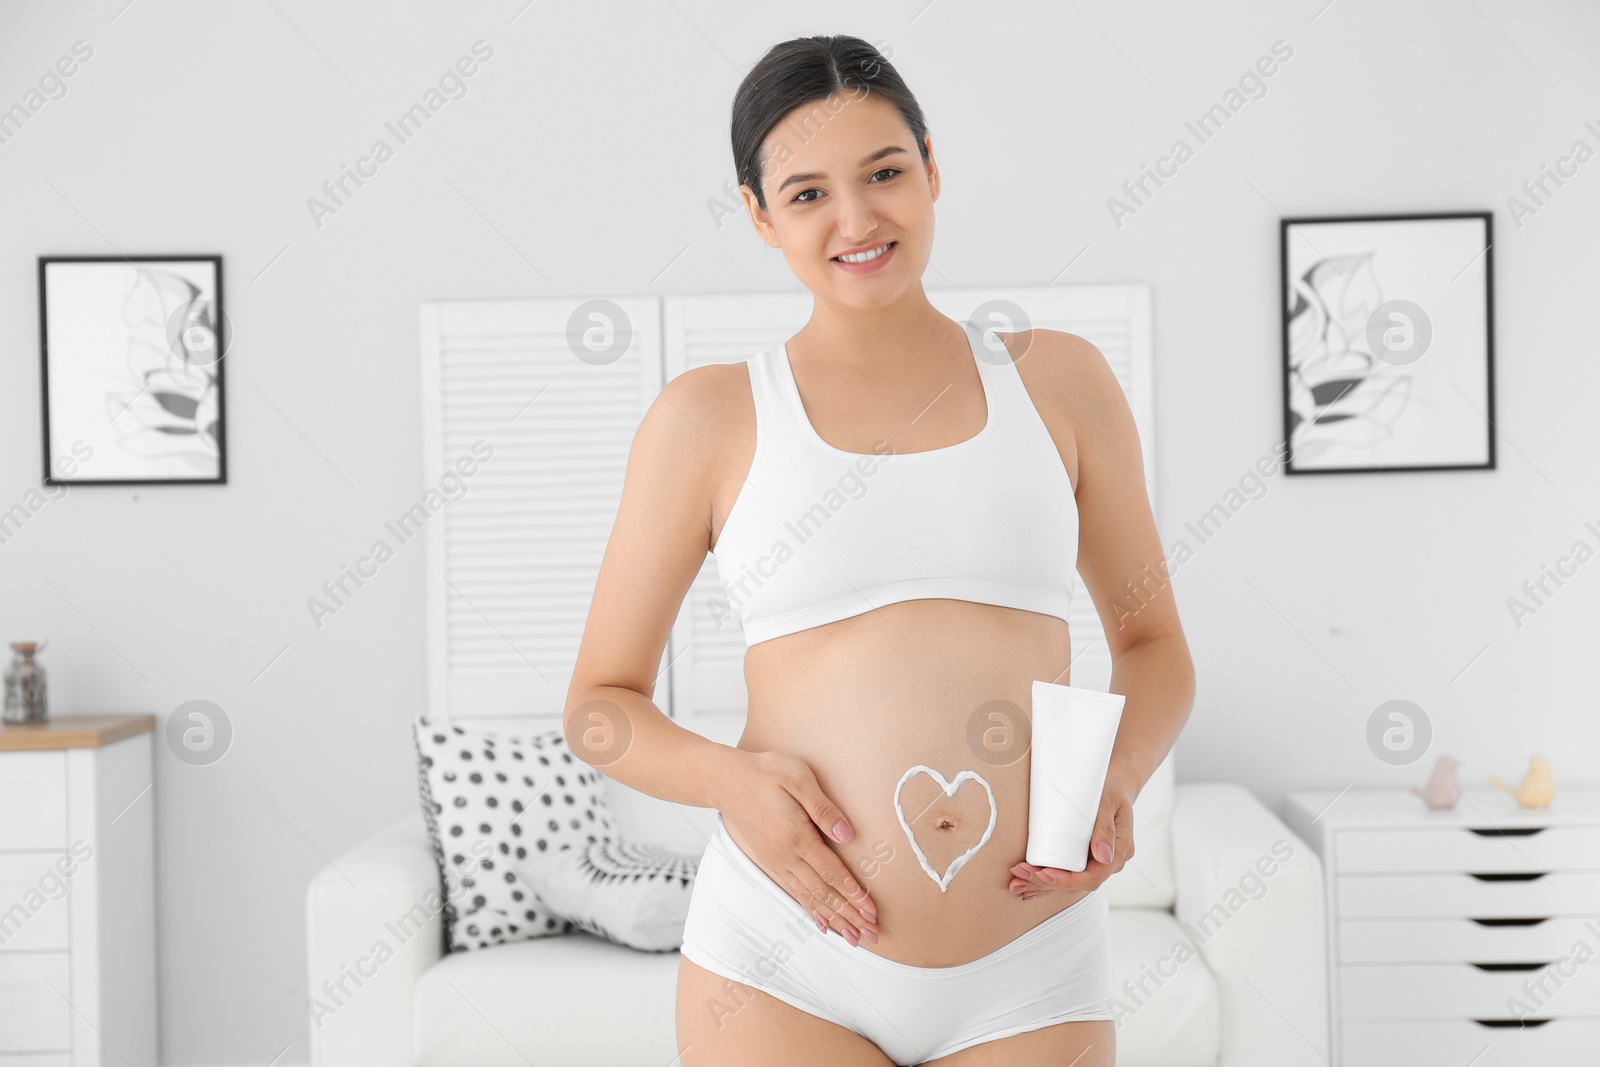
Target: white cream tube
(1073, 732)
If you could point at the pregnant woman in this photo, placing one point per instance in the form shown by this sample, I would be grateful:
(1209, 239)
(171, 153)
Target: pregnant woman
(896, 502)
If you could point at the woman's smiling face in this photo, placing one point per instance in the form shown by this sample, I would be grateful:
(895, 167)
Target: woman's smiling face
(844, 176)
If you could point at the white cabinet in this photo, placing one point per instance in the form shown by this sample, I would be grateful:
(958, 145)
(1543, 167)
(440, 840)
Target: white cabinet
(77, 893)
(1470, 935)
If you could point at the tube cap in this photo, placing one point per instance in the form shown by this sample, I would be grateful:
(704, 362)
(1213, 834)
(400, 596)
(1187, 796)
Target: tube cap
(1067, 852)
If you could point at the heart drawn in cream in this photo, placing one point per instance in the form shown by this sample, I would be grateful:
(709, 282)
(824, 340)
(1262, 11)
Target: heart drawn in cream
(949, 788)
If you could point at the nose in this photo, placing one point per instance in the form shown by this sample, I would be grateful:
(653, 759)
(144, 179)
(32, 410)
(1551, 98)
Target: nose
(857, 220)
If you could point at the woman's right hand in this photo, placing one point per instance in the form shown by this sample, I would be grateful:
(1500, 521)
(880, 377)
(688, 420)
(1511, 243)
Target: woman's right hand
(777, 813)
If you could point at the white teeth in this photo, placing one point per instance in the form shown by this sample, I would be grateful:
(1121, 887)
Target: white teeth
(862, 257)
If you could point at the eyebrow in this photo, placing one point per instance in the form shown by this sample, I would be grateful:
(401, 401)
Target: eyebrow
(794, 179)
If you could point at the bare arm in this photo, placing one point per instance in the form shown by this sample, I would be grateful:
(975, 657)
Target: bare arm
(1123, 567)
(1122, 564)
(774, 806)
(657, 546)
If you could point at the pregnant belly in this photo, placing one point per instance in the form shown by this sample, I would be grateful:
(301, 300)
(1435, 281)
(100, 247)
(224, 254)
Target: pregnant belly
(915, 719)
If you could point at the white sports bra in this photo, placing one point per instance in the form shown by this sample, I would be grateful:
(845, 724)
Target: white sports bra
(818, 534)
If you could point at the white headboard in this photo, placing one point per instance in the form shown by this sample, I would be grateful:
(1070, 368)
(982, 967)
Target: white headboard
(513, 547)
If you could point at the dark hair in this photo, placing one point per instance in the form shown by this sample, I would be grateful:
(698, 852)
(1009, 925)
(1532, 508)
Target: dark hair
(803, 70)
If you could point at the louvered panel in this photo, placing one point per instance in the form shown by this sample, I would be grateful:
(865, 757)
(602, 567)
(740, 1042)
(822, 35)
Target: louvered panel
(513, 559)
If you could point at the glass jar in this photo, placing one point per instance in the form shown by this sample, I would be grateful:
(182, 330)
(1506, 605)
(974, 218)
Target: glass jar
(25, 690)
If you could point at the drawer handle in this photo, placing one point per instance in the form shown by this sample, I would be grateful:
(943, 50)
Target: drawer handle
(1511, 922)
(1510, 966)
(1533, 877)
(1518, 831)
(1502, 1024)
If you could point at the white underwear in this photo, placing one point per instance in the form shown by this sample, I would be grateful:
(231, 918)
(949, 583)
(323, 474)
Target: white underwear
(744, 926)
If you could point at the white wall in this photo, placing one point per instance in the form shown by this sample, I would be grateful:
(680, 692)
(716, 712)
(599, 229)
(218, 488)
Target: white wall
(584, 160)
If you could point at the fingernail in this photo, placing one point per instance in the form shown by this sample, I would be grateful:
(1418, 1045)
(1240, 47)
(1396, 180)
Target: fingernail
(1046, 876)
(867, 915)
(870, 936)
(841, 831)
(1102, 851)
(1030, 896)
(822, 927)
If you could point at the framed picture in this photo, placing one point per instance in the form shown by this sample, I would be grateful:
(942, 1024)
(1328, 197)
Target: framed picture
(130, 352)
(1388, 343)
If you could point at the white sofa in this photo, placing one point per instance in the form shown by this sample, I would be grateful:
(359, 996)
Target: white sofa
(1214, 870)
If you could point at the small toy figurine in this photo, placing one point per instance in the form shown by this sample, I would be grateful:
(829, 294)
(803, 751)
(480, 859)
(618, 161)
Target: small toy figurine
(1538, 789)
(1443, 788)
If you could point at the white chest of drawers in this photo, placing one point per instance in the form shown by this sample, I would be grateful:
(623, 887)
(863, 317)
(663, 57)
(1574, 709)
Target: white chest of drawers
(1466, 936)
(77, 893)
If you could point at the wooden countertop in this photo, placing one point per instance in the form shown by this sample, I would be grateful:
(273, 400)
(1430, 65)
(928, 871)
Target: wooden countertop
(72, 731)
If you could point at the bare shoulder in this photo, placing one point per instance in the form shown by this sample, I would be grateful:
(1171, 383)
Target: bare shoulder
(704, 410)
(1067, 377)
(1055, 359)
(697, 441)
(1074, 390)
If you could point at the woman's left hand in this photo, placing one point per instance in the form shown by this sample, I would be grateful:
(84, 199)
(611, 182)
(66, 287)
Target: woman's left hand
(1110, 848)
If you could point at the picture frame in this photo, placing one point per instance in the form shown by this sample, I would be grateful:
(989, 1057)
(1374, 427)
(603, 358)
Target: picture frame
(1388, 342)
(131, 370)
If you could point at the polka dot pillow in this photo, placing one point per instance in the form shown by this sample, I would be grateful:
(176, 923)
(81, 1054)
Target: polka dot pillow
(503, 810)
